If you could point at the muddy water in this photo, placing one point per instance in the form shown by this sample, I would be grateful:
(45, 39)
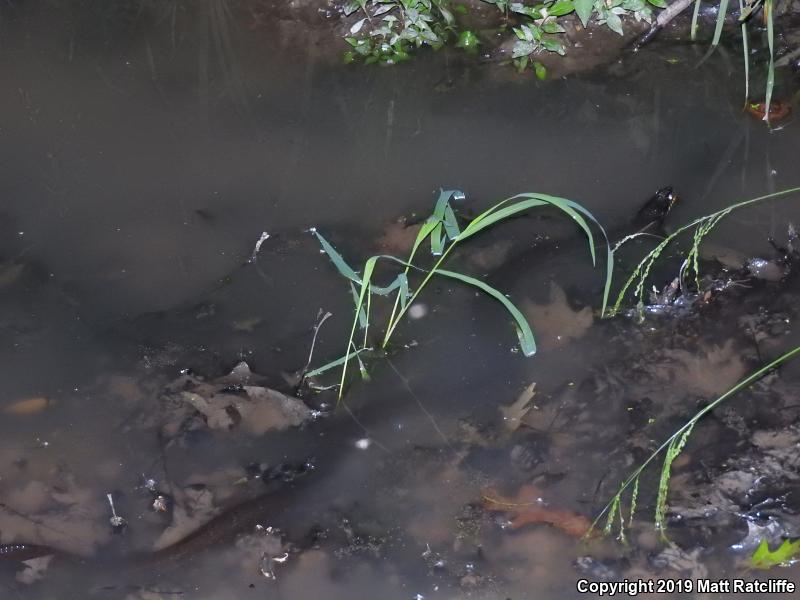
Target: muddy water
(143, 157)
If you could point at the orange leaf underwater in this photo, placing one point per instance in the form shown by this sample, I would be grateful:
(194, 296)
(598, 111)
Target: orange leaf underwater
(525, 508)
(778, 110)
(27, 406)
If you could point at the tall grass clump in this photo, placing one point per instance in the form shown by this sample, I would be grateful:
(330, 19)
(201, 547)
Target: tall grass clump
(443, 232)
(613, 511)
(690, 269)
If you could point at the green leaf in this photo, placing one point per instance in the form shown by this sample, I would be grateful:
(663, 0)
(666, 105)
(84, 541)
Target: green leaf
(615, 24)
(552, 27)
(786, 554)
(540, 70)
(524, 333)
(519, 8)
(448, 17)
(554, 46)
(468, 41)
(584, 10)
(348, 57)
(658, 3)
(560, 8)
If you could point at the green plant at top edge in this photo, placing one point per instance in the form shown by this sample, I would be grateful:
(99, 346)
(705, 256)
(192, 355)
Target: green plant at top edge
(443, 232)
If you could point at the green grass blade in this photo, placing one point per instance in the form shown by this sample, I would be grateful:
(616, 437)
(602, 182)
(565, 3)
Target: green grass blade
(744, 383)
(642, 270)
(695, 16)
(674, 449)
(336, 258)
(722, 11)
(437, 240)
(526, 341)
(443, 201)
(403, 293)
(771, 69)
(612, 513)
(424, 233)
(746, 55)
(369, 268)
(495, 215)
(451, 223)
(335, 363)
(362, 314)
(634, 499)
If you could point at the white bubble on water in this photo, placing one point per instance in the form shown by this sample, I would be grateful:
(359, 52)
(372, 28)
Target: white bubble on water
(417, 310)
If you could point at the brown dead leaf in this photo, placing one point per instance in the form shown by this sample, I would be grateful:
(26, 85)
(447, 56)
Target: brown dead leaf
(526, 507)
(398, 237)
(514, 413)
(555, 323)
(27, 406)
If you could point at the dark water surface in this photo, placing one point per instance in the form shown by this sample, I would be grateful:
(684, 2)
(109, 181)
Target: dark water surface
(143, 154)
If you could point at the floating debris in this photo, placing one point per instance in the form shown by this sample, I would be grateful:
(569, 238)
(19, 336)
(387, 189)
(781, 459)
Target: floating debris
(268, 564)
(264, 237)
(117, 522)
(160, 503)
(149, 484)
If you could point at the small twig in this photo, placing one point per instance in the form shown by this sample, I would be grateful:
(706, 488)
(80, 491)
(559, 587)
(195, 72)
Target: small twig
(317, 326)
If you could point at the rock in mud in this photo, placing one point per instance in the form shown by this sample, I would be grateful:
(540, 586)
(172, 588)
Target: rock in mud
(229, 403)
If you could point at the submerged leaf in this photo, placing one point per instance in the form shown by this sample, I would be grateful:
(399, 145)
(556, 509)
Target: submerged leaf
(786, 554)
(516, 411)
(527, 508)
